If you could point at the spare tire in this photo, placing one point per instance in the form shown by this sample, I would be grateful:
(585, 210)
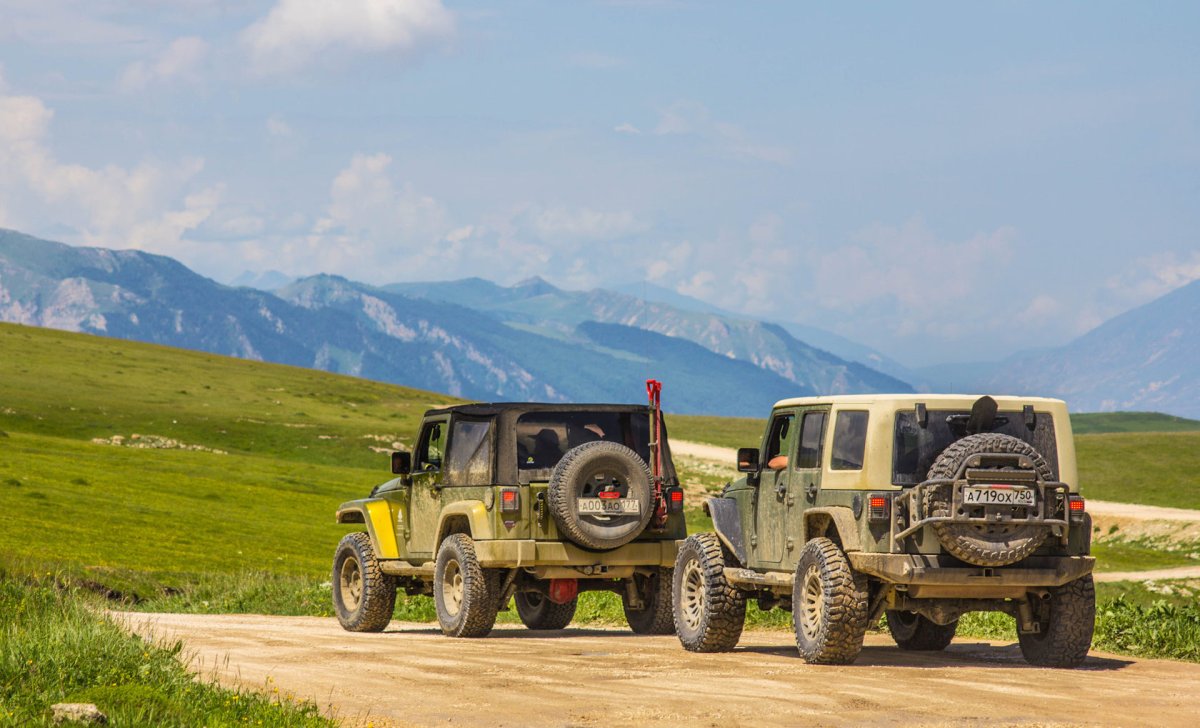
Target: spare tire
(983, 544)
(600, 496)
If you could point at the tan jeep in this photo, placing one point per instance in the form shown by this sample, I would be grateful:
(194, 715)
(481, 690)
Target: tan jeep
(921, 506)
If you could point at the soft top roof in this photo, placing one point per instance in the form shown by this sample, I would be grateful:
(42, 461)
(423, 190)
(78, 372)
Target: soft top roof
(491, 409)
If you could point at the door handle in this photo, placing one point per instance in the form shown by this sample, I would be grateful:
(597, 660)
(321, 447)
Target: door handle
(811, 491)
(781, 489)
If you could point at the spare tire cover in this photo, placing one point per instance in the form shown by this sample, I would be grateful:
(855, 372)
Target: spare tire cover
(600, 495)
(990, 544)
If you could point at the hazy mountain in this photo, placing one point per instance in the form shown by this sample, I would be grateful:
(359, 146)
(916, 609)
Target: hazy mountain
(338, 325)
(537, 306)
(1144, 359)
(265, 281)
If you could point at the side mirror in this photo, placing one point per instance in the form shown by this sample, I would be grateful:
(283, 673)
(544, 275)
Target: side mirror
(747, 460)
(401, 462)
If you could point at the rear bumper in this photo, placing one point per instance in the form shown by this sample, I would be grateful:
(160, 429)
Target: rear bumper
(529, 554)
(923, 570)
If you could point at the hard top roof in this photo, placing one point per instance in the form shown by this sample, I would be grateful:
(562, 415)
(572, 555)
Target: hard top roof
(909, 399)
(491, 409)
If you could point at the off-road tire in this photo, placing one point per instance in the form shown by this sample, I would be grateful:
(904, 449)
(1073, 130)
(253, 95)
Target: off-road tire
(986, 544)
(829, 605)
(709, 611)
(476, 587)
(1066, 633)
(363, 596)
(573, 473)
(537, 611)
(920, 634)
(658, 616)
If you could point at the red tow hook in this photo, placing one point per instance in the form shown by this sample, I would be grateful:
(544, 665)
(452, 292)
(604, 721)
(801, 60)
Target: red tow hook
(563, 590)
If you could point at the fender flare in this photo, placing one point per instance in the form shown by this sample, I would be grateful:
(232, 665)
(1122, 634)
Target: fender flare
(840, 519)
(376, 515)
(476, 516)
(727, 521)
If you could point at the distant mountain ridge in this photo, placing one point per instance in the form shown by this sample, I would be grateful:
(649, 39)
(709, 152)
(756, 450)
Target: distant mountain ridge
(471, 338)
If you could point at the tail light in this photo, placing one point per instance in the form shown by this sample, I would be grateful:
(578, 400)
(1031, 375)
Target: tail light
(510, 500)
(1076, 506)
(674, 498)
(879, 506)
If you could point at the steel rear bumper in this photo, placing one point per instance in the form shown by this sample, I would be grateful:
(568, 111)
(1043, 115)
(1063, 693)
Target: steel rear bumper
(924, 571)
(521, 553)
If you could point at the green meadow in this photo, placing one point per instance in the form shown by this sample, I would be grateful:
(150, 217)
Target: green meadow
(158, 479)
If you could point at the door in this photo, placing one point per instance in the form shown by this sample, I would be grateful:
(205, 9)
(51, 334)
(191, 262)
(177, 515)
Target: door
(427, 478)
(806, 475)
(770, 505)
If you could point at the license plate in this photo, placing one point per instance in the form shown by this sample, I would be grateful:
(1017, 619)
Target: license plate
(997, 495)
(613, 507)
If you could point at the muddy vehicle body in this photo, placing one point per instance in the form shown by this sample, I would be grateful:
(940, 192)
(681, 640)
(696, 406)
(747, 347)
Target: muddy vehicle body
(923, 507)
(535, 502)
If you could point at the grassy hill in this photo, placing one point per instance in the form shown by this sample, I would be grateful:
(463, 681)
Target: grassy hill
(1090, 423)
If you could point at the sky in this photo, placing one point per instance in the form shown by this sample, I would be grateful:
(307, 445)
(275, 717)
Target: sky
(941, 181)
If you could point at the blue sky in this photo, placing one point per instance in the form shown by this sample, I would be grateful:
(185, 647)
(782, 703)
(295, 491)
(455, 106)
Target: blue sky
(944, 181)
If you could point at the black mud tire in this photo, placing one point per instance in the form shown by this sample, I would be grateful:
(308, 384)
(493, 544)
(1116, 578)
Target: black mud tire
(574, 476)
(464, 593)
(982, 545)
(539, 613)
(829, 605)
(1068, 620)
(709, 612)
(364, 598)
(658, 614)
(919, 634)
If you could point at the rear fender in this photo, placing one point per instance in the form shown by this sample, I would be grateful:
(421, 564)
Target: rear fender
(728, 523)
(836, 522)
(376, 515)
(472, 513)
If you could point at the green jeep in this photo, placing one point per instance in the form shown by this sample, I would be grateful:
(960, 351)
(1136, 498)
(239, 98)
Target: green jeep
(533, 501)
(921, 506)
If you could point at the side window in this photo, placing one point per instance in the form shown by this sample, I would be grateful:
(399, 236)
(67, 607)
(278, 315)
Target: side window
(812, 436)
(779, 444)
(470, 460)
(433, 444)
(849, 441)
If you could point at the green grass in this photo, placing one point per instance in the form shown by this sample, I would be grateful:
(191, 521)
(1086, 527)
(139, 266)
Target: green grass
(1142, 555)
(733, 432)
(1157, 469)
(55, 649)
(1091, 423)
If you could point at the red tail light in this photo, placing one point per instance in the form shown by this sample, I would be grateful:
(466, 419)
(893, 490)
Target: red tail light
(510, 500)
(674, 497)
(878, 506)
(1077, 507)
(608, 494)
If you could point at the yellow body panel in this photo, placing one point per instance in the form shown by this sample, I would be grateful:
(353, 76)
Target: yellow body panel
(384, 528)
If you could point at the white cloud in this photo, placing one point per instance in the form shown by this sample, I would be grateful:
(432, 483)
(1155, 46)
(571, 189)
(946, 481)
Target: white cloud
(148, 205)
(179, 61)
(626, 128)
(1153, 276)
(296, 32)
(560, 223)
(686, 118)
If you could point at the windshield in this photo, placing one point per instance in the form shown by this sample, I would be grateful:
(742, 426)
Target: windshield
(544, 437)
(917, 447)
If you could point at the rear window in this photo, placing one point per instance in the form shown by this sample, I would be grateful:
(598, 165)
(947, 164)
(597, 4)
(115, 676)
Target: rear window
(849, 441)
(544, 437)
(917, 447)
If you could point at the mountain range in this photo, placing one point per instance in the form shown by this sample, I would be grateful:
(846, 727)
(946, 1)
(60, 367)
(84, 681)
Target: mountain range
(533, 341)
(468, 338)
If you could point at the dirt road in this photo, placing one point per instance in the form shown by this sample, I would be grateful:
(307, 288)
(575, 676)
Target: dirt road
(412, 675)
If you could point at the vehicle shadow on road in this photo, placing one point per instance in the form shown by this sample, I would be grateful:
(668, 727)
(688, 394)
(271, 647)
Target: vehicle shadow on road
(960, 654)
(522, 633)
